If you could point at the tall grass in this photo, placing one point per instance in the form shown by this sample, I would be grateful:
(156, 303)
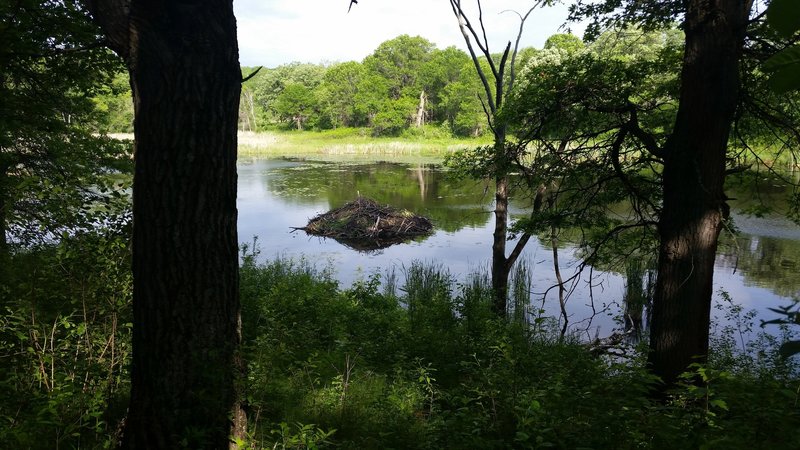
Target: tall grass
(423, 363)
(354, 143)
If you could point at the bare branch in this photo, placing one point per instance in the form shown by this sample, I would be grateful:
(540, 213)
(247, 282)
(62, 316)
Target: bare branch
(522, 20)
(499, 89)
(483, 29)
(463, 25)
(252, 74)
(487, 113)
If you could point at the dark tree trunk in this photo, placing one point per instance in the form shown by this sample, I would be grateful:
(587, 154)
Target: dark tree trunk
(500, 264)
(500, 267)
(183, 62)
(694, 171)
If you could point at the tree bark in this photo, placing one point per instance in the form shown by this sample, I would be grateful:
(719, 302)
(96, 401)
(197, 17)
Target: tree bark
(186, 81)
(694, 172)
(500, 266)
(419, 117)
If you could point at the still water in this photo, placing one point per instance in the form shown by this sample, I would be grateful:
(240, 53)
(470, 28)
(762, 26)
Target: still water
(758, 268)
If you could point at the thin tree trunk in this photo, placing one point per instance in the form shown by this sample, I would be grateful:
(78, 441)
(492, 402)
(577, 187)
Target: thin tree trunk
(694, 171)
(562, 302)
(252, 108)
(500, 267)
(500, 270)
(419, 119)
(185, 75)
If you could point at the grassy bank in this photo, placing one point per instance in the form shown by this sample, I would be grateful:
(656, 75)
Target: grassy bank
(353, 143)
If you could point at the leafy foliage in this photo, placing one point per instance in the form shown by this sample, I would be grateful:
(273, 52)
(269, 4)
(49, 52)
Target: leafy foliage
(427, 365)
(783, 16)
(65, 342)
(53, 170)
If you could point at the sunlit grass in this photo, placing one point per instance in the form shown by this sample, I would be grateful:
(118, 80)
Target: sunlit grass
(350, 143)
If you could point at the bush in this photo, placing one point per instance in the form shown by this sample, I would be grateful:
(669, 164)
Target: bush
(427, 366)
(65, 335)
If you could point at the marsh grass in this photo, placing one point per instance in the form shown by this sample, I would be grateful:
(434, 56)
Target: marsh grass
(419, 363)
(422, 363)
(350, 143)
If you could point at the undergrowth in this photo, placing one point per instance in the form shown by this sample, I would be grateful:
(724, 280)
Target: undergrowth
(415, 361)
(425, 365)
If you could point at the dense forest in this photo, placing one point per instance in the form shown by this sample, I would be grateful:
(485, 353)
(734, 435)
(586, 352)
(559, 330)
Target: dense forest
(405, 83)
(133, 316)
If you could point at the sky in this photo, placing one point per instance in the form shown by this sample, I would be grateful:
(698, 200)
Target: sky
(275, 32)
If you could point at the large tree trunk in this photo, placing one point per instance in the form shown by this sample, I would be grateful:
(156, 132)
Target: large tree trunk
(694, 171)
(183, 61)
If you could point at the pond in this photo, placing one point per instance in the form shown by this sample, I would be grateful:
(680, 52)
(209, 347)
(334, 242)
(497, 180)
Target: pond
(757, 269)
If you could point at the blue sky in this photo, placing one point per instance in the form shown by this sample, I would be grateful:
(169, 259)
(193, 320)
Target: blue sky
(274, 32)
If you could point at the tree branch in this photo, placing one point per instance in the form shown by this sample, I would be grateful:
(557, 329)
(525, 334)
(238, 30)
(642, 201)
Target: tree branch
(252, 74)
(645, 138)
(464, 25)
(522, 19)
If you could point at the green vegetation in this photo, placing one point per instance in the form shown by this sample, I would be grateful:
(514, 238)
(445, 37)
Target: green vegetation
(49, 157)
(628, 118)
(406, 87)
(427, 144)
(65, 342)
(413, 361)
(784, 66)
(426, 365)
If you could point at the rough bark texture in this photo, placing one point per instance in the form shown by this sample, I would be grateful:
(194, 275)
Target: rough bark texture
(694, 171)
(183, 62)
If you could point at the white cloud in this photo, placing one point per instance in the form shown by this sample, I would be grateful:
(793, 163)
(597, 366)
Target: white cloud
(274, 32)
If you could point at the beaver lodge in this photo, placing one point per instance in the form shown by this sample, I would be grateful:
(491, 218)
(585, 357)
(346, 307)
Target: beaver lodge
(365, 225)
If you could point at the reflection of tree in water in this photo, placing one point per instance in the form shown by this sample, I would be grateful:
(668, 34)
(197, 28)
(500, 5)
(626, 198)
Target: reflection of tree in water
(422, 189)
(764, 261)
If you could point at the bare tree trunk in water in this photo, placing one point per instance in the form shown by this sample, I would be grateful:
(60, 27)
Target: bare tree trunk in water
(694, 172)
(186, 81)
(495, 86)
(500, 267)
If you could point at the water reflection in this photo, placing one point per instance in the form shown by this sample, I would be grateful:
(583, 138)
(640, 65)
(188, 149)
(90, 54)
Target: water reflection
(758, 269)
(764, 261)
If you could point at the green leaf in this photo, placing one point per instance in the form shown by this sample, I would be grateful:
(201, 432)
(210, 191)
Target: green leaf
(788, 57)
(720, 404)
(784, 16)
(785, 80)
(790, 348)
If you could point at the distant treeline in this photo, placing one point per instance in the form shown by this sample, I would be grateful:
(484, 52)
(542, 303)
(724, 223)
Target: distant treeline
(405, 83)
